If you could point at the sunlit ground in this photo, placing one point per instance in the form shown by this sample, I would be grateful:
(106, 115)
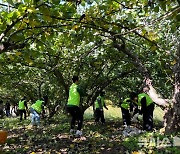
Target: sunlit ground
(53, 136)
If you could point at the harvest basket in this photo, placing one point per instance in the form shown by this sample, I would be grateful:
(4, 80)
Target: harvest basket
(3, 136)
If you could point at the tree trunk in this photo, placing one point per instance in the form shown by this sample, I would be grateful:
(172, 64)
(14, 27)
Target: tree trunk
(135, 59)
(60, 78)
(172, 115)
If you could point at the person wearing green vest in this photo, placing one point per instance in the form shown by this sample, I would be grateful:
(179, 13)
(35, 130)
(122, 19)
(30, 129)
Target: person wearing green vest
(147, 108)
(36, 110)
(99, 104)
(126, 107)
(22, 107)
(73, 107)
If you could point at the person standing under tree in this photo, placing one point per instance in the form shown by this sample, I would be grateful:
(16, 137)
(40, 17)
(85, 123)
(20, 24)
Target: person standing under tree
(73, 107)
(147, 109)
(126, 107)
(22, 107)
(7, 108)
(99, 104)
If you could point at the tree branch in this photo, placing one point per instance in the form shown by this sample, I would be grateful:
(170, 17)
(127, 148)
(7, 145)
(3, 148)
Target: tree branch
(10, 26)
(135, 59)
(60, 78)
(124, 6)
(6, 5)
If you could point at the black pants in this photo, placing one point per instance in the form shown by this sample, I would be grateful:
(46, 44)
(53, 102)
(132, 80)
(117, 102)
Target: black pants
(148, 117)
(76, 115)
(7, 113)
(99, 114)
(126, 117)
(21, 112)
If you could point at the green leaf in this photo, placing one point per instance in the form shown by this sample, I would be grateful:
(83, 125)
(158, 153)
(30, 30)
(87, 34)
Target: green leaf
(18, 37)
(56, 1)
(10, 15)
(178, 17)
(153, 48)
(83, 3)
(10, 2)
(18, 53)
(31, 9)
(163, 5)
(156, 9)
(47, 18)
(45, 10)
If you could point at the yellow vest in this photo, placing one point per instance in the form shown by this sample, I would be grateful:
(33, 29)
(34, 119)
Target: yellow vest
(21, 105)
(125, 104)
(148, 99)
(74, 97)
(37, 106)
(99, 103)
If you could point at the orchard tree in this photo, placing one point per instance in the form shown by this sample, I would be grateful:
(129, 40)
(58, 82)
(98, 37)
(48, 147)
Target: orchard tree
(110, 44)
(135, 28)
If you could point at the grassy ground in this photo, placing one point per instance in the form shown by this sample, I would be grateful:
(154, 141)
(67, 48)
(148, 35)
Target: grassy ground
(54, 137)
(114, 113)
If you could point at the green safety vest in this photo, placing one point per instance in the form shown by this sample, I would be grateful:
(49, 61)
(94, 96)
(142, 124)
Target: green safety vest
(99, 103)
(125, 104)
(21, 105)
(37, 106)
(74, 97)
(148, 99)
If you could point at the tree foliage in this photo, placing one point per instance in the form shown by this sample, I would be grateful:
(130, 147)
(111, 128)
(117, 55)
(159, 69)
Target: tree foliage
(110, 44)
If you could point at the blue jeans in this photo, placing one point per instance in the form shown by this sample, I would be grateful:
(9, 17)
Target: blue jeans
(35, 119)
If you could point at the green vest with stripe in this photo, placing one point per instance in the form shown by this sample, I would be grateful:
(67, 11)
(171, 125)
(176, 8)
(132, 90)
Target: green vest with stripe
(99, 103)
(37, 106)
(148, 99)
(126, 104)
(74, 97)
(21, 105)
